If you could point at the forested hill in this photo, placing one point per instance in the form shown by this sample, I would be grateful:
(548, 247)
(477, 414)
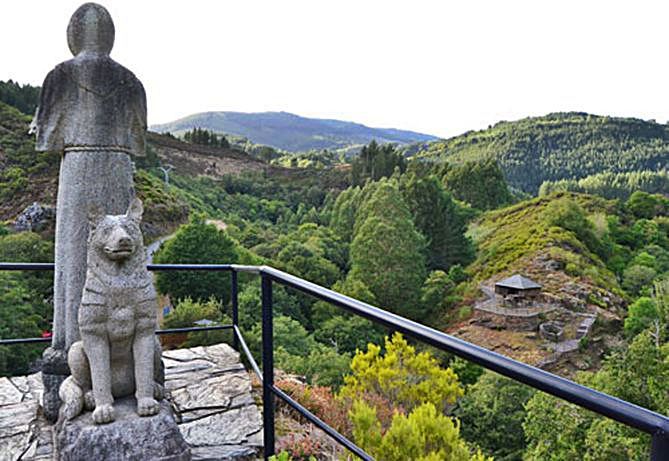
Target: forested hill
(291, 132)
(27, 176)
(560, 146)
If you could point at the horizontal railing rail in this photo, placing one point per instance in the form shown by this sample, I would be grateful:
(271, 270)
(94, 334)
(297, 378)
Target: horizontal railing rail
(640, 418)
(8, 342)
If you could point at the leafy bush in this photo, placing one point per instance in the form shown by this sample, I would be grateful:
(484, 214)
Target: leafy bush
(557, 430)
(492, 412)
(348, 333)
(250, 305)
(423, 435)
(196, 242)
(187, 312)
(640, 315)
(296, 351)
(637, 277)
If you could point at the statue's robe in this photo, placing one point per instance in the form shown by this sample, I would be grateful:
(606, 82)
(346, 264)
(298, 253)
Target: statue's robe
(93, 111)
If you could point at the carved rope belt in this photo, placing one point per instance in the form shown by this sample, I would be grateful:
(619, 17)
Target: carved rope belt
(98, 149)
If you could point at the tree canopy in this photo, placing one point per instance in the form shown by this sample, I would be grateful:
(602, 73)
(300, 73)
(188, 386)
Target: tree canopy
(197, 243)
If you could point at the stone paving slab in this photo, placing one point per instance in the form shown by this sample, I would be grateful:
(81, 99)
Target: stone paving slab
(208, 389)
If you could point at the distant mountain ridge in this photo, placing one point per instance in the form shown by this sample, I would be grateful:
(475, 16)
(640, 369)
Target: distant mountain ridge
(291, 132)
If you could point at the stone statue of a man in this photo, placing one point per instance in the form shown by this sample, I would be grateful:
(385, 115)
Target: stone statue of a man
(92, 111)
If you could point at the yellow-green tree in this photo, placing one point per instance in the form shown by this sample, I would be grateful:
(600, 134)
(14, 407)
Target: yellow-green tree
(398, 403)
(423, 435)
(402, 376)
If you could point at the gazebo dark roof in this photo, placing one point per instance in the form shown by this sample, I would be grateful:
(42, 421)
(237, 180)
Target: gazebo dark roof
(518, 282)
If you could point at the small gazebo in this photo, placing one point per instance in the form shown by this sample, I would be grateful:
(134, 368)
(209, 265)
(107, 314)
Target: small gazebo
(518, 289)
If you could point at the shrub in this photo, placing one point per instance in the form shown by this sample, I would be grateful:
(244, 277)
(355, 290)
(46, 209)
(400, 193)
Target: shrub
(424, 434)
(401, 375)
(640, 315)
(187, 312)
(636, 278)
(492, 412)
(320, 401)
(299, 447)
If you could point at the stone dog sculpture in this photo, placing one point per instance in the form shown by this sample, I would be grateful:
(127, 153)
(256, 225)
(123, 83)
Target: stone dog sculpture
(118, 354)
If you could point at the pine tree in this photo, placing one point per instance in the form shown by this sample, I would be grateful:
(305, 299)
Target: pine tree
(437, 217)
(387, 252)
(375, 162)
(481, 184)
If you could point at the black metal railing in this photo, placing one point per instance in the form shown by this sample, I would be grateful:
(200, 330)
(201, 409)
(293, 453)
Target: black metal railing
(654, 424)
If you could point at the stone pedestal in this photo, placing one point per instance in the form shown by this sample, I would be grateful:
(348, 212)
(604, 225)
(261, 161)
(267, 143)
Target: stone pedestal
(130, 437)
(208, 388)
(54, 372)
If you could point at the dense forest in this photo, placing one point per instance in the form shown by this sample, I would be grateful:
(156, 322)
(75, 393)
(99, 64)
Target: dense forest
(418, 236)
(559, 146)
(23, 97)
(612, 185)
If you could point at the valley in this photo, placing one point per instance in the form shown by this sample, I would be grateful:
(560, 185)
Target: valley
(422, 227)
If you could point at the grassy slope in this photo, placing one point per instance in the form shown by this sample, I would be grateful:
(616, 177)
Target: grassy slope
(517, 239)
(559, 146)
(25, 175)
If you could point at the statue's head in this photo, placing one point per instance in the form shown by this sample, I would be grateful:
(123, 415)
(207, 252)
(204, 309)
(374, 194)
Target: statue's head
(91, 29)
(116, 237)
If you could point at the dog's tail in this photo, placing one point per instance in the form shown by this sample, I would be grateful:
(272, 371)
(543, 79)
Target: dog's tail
(72, 396)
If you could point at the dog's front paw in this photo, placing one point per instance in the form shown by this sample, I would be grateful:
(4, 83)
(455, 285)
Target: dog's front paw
(146, 406)
(103, 413)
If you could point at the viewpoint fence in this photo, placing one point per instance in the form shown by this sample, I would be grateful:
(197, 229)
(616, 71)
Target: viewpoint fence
(654, 424)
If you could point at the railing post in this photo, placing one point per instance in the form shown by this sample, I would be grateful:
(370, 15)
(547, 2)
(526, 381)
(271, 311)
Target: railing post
(659, 449)
(235, 309)
(267, 366)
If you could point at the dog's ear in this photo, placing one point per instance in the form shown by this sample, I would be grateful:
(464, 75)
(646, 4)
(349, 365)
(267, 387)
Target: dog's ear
(95, 215)
(135, 210)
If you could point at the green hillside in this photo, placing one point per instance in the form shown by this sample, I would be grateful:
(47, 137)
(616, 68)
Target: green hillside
(560, 146)
(291, 132)
(524, 237)
(21, 168)
(403, 237)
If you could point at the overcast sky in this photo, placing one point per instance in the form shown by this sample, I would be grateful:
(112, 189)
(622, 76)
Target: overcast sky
(440, 67)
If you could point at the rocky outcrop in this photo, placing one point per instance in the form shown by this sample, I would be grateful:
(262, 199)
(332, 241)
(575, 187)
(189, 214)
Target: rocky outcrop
(35, 218)
(211, 393)
(208, 388)
(24, 432)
